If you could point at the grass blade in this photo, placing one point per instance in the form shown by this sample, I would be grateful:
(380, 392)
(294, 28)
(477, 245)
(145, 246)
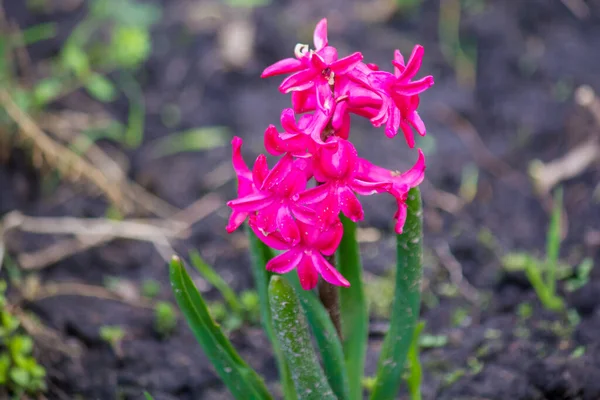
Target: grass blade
(353, 309)
(553, 241)
(240, 379)
(327, 339)
(148, 396)
(216, 281)
(407, 299)
(261, 254)
(415, 372)
(291, 329)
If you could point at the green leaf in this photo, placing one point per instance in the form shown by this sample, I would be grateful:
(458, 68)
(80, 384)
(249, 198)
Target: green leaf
(415, 372)
(216, 281)
(197, 139)
(47, 90)
(407, 299)
(75, 59)
(39, 32)
(134, 134)
(240, 379)
(148, 396)
(291, 330)
(19, 376)
(101, 88)
(553, 241)
(130, 45)
(327, 339)
(353, 309)
(261, 254)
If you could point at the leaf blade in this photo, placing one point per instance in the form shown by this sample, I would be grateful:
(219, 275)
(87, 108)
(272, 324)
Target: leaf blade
(353, 309)
(406, 305)
(240, 379)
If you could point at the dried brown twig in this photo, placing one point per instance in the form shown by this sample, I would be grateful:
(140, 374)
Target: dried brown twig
(60, 157)
(454, 268)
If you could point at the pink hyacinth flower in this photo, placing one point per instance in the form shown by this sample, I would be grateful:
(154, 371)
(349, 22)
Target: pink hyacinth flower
(276, 201)
(399, 183)
(246, 185)
(337, 167)
(306, 256)
(400, 96)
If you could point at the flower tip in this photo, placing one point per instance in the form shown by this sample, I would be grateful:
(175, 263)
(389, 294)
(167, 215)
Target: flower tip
(320, 34)
(237, 141)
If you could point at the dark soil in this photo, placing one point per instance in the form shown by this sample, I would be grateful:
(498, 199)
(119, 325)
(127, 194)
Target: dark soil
(530, 56)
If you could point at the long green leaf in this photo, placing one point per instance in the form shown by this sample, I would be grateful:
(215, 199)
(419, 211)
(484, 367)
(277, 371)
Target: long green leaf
(292, 333)
(415, 372)
(240, 379)
(216, 281)
(353, 309)
(327, 339)
(407, 299)
(261, 254)
(553, 241)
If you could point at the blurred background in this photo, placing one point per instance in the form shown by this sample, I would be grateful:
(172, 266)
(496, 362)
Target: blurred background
(115, 123)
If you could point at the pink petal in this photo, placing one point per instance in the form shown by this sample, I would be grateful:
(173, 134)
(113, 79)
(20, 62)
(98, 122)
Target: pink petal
(320, 34)
(260, 170)
(287, 226)
(239, 165)
(414, 63)
(278, 173)
(400, 217)
(328, 54)
(398, 62)
(303, 213)
(368, 188)
(329, 240)
(314, 195)
(393, 123)
(344, 65)
(272, 141)
(285, 66)
(307, 273)
(327, 271)
(414, 176)
(236, 219)
(299, 81)
(417, 123)
(328, 210)
(408, 134)
(381, 80)
(284, 263)
(273, 239)
(350, 205)
(413, 88)
(251, 203)
(304, 101)
(325, 100)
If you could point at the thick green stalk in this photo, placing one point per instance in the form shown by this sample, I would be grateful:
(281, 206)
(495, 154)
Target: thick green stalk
(407, 300)
(326, 338)
(261, 254)
(353, 309)
(292, 333)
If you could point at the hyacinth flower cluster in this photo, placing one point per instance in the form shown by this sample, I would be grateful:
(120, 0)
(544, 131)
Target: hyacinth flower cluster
(295, 206)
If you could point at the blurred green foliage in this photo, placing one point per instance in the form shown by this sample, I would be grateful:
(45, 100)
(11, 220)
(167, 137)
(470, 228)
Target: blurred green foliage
(20, 373)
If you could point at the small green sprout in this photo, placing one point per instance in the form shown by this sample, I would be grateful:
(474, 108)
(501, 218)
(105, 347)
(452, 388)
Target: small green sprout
(20, 373)
(165, 318)
(150, 288)
(113, 335)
